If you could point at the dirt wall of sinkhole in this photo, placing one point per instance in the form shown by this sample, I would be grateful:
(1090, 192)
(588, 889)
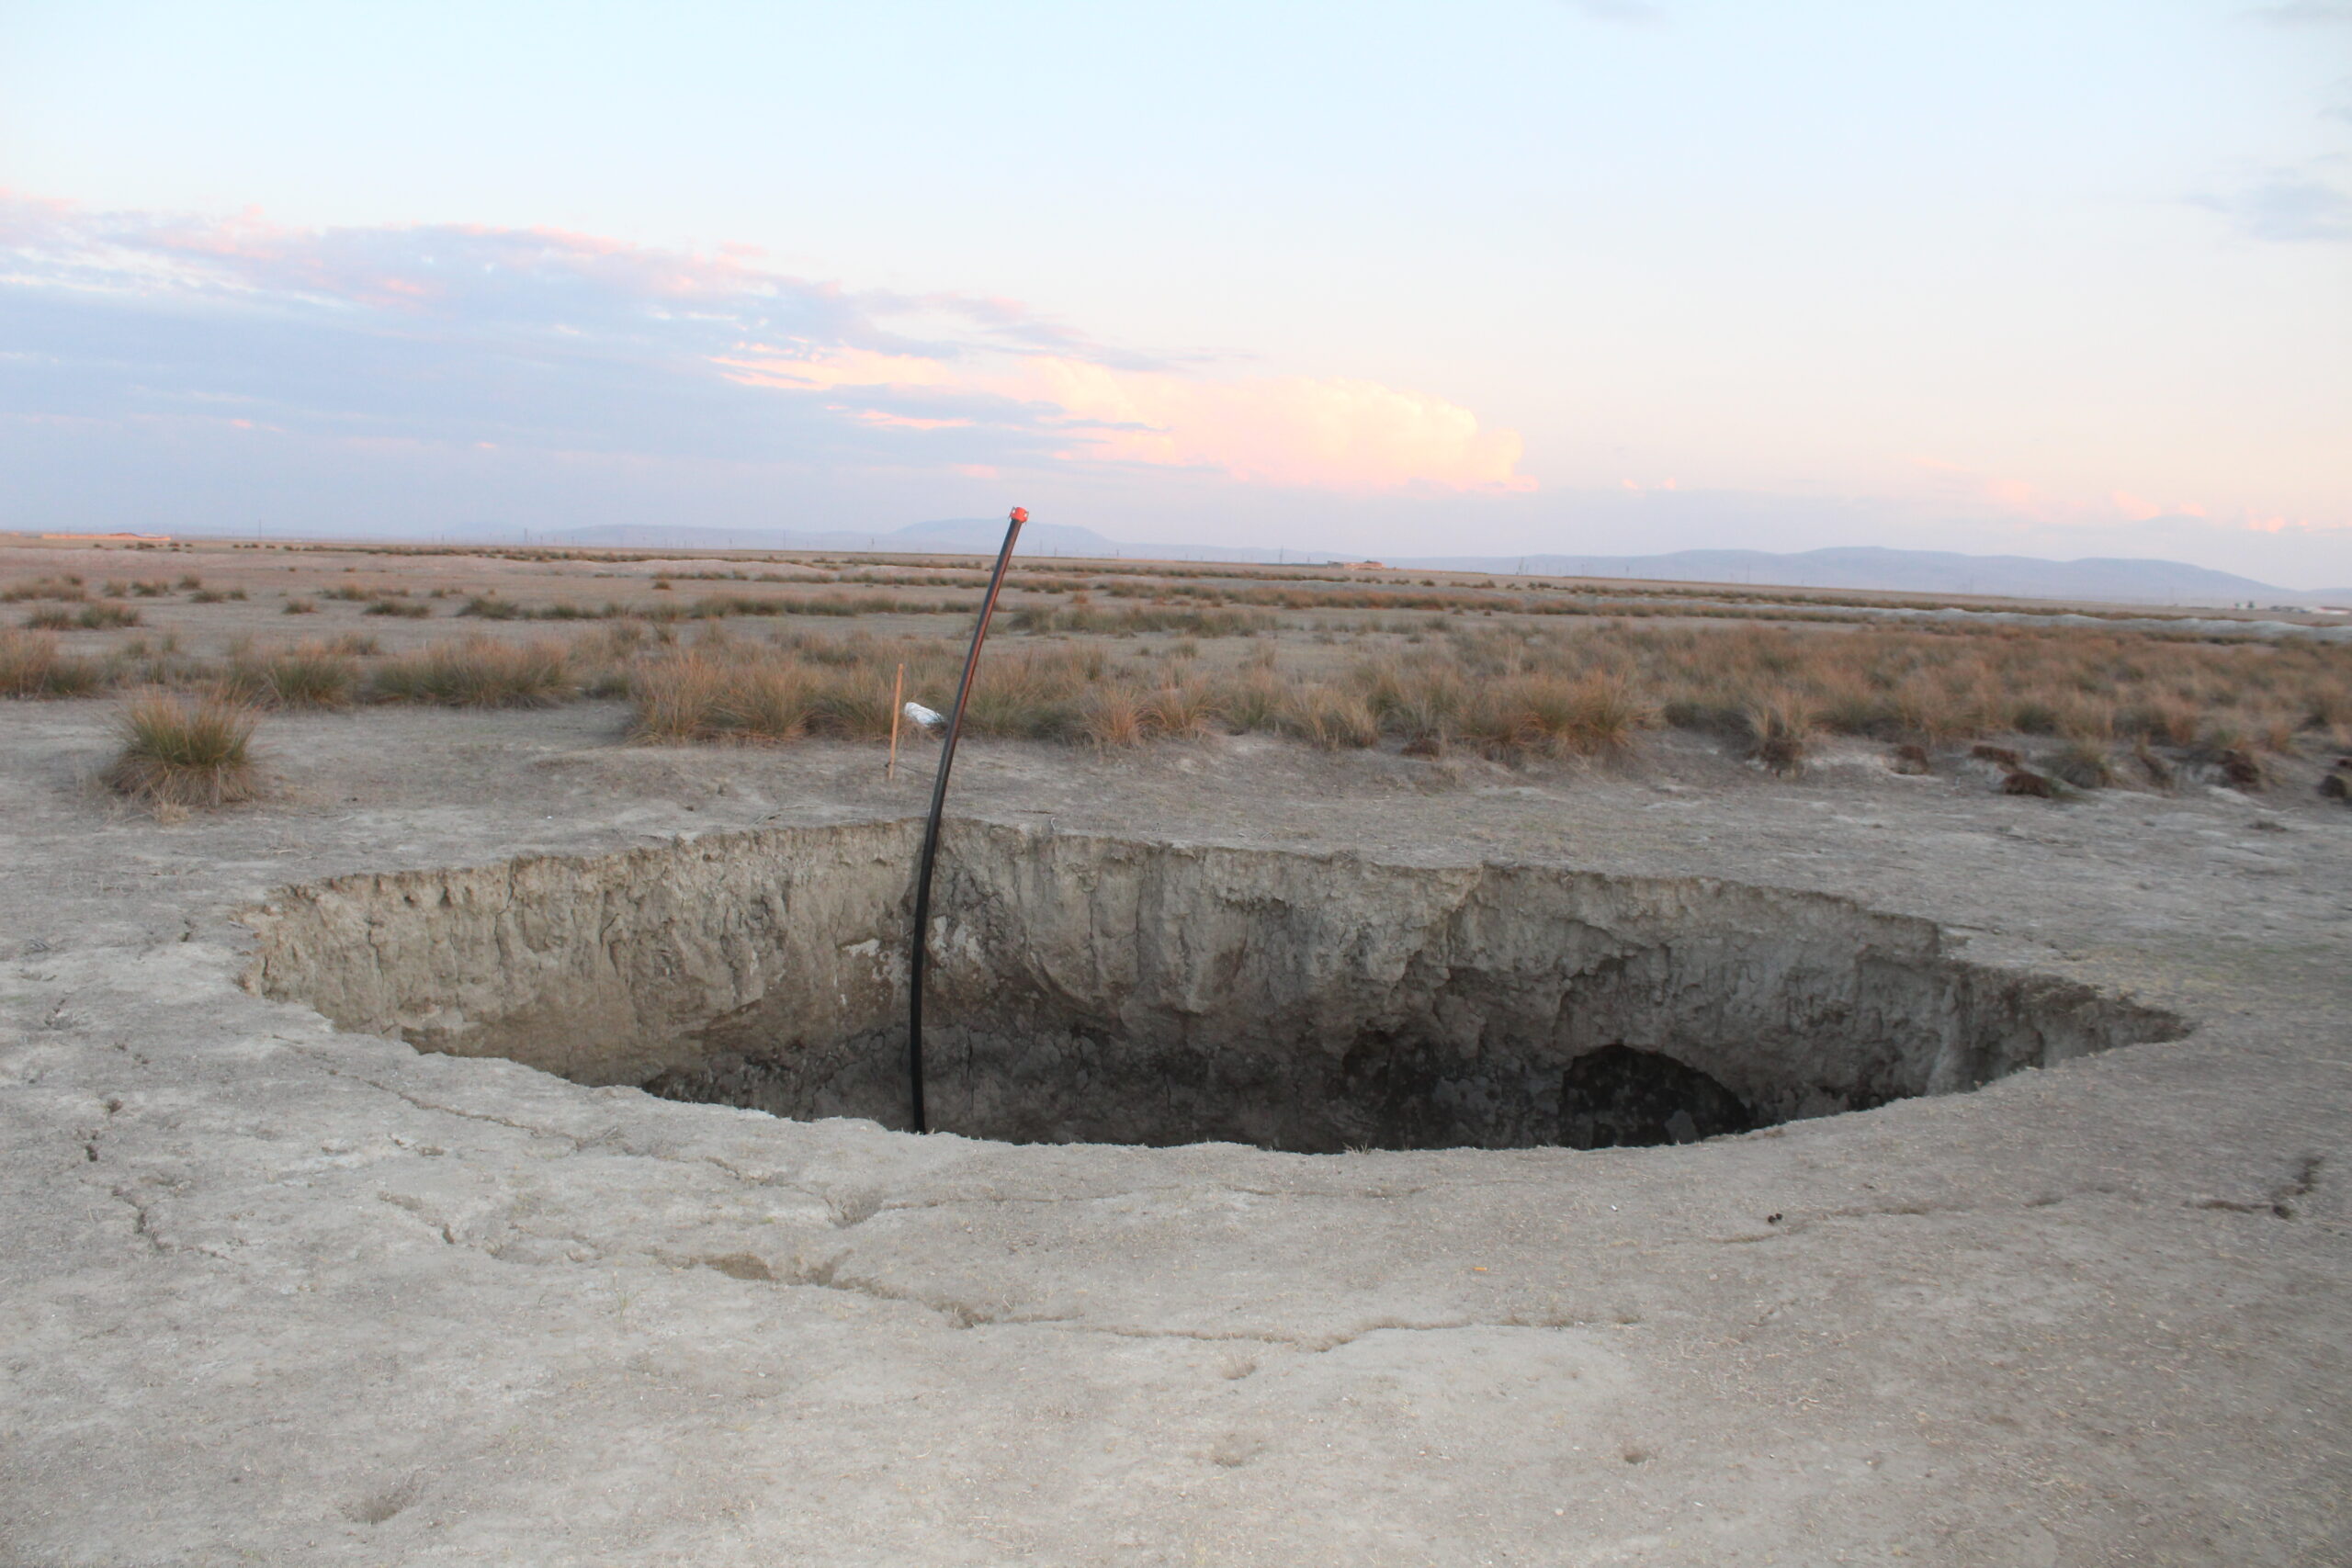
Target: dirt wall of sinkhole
(1106, 989)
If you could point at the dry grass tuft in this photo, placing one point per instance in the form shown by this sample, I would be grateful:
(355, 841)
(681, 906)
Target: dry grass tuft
(2024, 781)
(676, 699)
(1333, 717)
(1780, 733)
(1556, 715)
(2241, 772)
(2086, 764)
(185, 752)
(89, 618)
(308, 675)
(68, 588)
(1183, 711)
(1115, 717)
(30, 666)
(479, 671)
(719, 692)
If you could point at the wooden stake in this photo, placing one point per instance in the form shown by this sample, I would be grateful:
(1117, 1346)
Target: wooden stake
(898, 695)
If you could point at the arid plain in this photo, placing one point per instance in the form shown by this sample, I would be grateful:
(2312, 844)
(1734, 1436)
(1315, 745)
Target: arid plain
(2022, 933)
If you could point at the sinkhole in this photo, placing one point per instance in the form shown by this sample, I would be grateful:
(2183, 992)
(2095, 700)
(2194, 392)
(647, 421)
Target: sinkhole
(1101, 989)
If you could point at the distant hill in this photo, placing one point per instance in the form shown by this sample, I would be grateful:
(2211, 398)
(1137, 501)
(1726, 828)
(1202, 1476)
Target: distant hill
(956, 535)
(2114, 579)
(1932, 572)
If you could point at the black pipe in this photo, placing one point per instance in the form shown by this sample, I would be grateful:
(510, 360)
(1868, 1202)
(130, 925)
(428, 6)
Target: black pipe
(917, 948)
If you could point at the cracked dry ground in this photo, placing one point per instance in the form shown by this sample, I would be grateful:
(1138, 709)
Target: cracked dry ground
(277, 1293)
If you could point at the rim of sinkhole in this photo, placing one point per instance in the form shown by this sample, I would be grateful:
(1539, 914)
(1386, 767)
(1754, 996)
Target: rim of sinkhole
(1099, 988)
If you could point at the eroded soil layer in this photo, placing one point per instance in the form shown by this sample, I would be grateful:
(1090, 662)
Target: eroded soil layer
(1100, 989)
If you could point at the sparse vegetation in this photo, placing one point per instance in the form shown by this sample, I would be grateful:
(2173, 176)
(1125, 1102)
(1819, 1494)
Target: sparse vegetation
(1114, 655)
(1114, 714)
(477, 672)
(1513, 693)
(1779, 732)
(1335, 717)
(68, 588)
(1084, 620)
(308, 675)
(1182, 710)
(2085, 764)
(89, 618)
(30, 666)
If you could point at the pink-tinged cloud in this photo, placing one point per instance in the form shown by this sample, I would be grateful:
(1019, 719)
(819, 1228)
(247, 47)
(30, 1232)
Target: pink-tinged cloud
(884, 419)
(759, 366)
(2030, 504)
(1288, 430)
(546, 338)
(2250, 522)
(1334, 433)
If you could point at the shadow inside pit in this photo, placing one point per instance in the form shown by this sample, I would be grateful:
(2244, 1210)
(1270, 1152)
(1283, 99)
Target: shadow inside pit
(1618, 1097)
(1094, 1086)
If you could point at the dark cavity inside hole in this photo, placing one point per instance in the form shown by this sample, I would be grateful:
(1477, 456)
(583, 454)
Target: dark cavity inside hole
(1098, 989)
(1619, 1098)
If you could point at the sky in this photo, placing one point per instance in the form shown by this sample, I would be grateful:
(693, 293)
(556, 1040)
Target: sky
(2065, 278)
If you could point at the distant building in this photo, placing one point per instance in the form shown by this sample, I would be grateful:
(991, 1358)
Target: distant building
(143, 538)
(1361, 565)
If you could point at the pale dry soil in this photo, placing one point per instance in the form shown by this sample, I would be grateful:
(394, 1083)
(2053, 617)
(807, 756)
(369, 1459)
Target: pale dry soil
(275, 1294)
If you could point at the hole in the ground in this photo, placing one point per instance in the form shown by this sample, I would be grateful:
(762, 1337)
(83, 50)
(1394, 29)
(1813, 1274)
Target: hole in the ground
(1100, 989)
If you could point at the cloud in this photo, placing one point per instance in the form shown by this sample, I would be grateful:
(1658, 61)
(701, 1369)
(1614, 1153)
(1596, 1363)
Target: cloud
(1292, 430)
(1338, 435)
(2290, 206)
(2020, 502)
(565, 341)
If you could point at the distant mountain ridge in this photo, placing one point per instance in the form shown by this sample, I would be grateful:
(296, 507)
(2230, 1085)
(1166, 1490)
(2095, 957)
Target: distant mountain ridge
(1869, 567)
(962, 535)
(2116, 580)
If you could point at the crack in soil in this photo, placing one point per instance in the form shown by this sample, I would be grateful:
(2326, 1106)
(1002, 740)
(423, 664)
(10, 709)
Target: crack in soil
(2281, 1204)
(1184, 1187)
(1310, 1344)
